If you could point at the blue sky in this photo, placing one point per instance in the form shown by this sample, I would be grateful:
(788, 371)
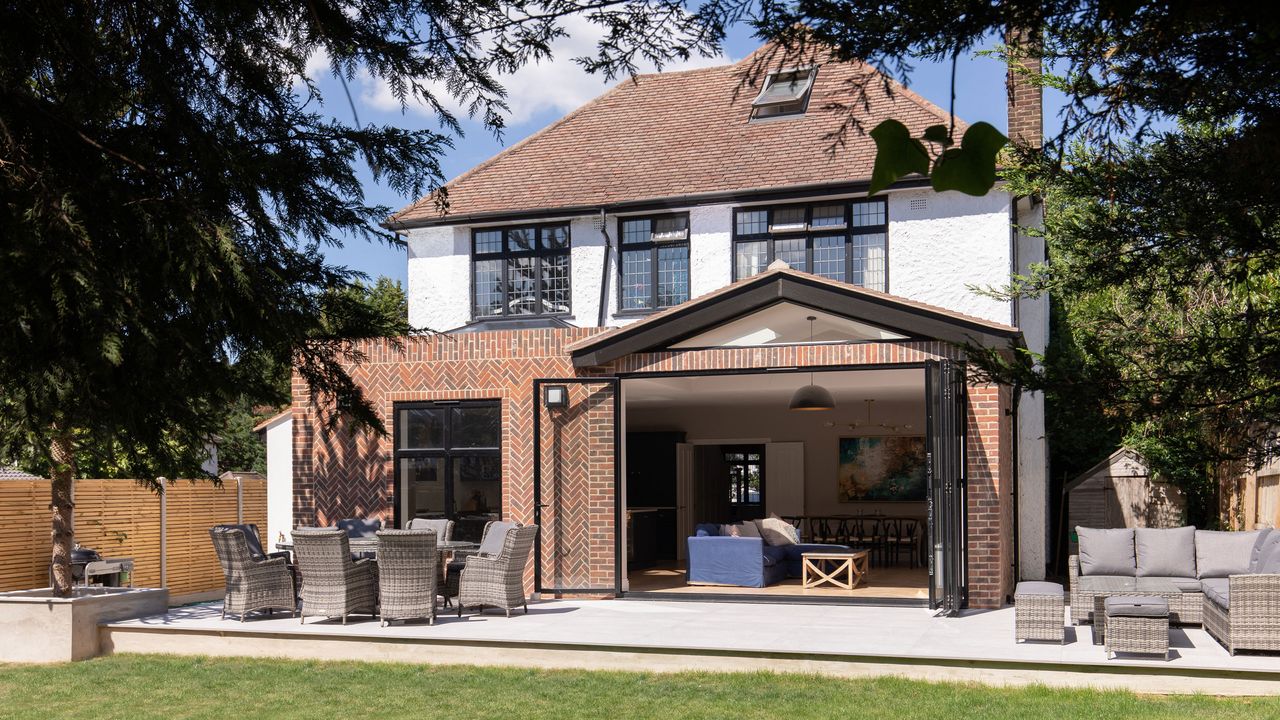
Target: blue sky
(540, 95)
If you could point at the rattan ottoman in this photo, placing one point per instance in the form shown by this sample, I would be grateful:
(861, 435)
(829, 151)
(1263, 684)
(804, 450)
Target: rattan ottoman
(1137, 624)
(1038, 612)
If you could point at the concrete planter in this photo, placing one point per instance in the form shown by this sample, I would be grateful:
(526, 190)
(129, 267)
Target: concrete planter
(38, 627)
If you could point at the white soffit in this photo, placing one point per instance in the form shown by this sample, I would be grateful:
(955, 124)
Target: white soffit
(786, 324)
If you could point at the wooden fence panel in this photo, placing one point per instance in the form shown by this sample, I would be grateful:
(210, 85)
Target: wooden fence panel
(25, 544)
(120, 518)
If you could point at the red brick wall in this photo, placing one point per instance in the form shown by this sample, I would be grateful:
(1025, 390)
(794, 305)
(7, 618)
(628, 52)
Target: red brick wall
(339, 475)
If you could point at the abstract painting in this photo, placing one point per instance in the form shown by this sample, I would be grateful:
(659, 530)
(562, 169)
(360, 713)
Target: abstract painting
(881, 469)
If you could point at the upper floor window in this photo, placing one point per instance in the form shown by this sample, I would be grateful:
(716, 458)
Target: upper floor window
(655, 261)
(845, 241)
(520, 270)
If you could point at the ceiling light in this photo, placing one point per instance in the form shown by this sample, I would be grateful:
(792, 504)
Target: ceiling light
(812, 397)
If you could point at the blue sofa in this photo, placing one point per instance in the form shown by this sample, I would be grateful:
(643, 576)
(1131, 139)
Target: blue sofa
(715, 559)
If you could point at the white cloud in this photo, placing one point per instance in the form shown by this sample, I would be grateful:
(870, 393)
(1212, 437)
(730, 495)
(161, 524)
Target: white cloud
(556, 85)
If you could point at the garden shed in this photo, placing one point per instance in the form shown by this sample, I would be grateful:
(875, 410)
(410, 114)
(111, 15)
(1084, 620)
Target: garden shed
(1120, 492)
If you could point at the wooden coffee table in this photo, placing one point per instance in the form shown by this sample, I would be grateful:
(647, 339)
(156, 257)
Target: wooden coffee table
(842, 569)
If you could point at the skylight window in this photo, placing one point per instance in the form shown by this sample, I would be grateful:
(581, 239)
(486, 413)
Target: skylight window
(785, 93)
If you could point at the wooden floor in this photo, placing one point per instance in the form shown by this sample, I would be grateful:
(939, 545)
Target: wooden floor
(881, 582)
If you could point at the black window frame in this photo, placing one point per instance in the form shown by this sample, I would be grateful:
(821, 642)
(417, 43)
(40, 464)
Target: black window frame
(653, 247)
(446, 451)
(506, 254)
(810, 233)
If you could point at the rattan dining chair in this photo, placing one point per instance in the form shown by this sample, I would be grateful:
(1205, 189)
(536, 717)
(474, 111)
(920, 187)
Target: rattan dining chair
(498, 580)
(333, 585)
(251, 584)
(408, 575)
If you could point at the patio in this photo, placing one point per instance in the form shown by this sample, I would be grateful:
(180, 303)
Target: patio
(661, 636)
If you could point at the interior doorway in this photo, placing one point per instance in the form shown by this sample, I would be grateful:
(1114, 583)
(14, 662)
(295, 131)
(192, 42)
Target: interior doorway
(720, 450)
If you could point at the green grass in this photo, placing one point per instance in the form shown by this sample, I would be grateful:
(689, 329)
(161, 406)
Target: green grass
(171, 687)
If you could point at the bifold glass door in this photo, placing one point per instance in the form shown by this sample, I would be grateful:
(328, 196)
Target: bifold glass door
(945, 391)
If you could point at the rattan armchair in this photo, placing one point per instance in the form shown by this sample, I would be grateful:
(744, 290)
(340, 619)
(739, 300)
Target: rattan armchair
(333, 585)
(408, 573)
(251, 584)
(441, 527)
(498, 580)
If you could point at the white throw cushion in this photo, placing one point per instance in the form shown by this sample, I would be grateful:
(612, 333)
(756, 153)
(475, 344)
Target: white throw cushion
(777, 531)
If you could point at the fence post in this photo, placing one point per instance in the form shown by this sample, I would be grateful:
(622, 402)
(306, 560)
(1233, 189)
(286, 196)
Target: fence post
(164, 522)
(240, 500)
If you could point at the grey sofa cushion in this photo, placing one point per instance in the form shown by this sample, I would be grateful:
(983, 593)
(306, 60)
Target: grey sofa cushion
(1267, 540)
(1218, 590)
(1033, 587)
(1165, 552)
(1136, 606)
(1220, 554)
(1107, 552)
(1269, 558)
(1185, 584)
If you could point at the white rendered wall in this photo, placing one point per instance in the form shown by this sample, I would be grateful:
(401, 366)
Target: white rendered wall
(279, 481)
(956, 242)
(710, 248)
(1032, 318)
(439, 277)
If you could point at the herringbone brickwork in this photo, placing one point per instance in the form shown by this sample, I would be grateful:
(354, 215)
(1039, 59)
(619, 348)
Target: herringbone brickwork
(338, 474)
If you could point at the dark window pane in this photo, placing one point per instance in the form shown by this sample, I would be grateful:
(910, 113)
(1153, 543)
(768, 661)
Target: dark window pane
(635, 231)
(555, 238)
(489, 287)
(869, 261)
(828, 257)
(489, 241)
(520, 239)
(671, 229)
(753, 222)
(477, 488)
(791, 251)
(673, 275)
(423, 480)
(555, 284)
(788, 219)
(828, 216)
(868, 213)
(636, 278)
(522, 284)
(751, 258)
(420, 428)
(476, 427)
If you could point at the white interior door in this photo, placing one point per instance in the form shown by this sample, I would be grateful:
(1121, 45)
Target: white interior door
(784, 478)
(684, 498)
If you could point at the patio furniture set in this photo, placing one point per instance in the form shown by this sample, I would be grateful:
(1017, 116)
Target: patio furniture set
(1130, 584)
(358, 568)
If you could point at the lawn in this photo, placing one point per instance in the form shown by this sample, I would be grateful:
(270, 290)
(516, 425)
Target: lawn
(138, 687)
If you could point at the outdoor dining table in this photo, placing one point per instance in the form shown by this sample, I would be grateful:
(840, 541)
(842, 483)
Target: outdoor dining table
(370, 545)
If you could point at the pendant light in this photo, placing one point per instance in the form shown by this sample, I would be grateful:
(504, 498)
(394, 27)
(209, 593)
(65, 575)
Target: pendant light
(812, 397)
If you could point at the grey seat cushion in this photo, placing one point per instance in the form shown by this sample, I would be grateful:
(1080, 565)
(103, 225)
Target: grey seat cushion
(1217, 590)
(1136, 606)
(1269, 558)
(497, 535)
(1220, 554)
(1185, 584)
(1165, 552)
(1268, 541)
(1033, 587)
(1107, 551)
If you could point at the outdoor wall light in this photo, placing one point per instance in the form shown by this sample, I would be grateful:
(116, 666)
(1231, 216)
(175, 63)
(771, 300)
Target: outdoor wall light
(555, 396)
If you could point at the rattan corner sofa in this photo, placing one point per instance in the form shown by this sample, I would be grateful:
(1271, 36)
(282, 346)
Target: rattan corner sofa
(1229, 581)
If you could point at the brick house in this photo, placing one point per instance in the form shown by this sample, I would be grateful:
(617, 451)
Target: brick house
(627, 304)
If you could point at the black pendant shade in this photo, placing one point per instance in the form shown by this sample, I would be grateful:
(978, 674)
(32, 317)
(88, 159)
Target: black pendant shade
(811, 396)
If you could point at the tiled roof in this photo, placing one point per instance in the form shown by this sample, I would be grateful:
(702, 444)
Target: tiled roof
(13, 473)
(675, 134)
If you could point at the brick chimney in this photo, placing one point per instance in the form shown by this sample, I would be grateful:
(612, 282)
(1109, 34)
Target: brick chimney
(1025, 106)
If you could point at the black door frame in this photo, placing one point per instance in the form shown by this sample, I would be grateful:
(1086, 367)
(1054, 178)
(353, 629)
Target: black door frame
(618, 570)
